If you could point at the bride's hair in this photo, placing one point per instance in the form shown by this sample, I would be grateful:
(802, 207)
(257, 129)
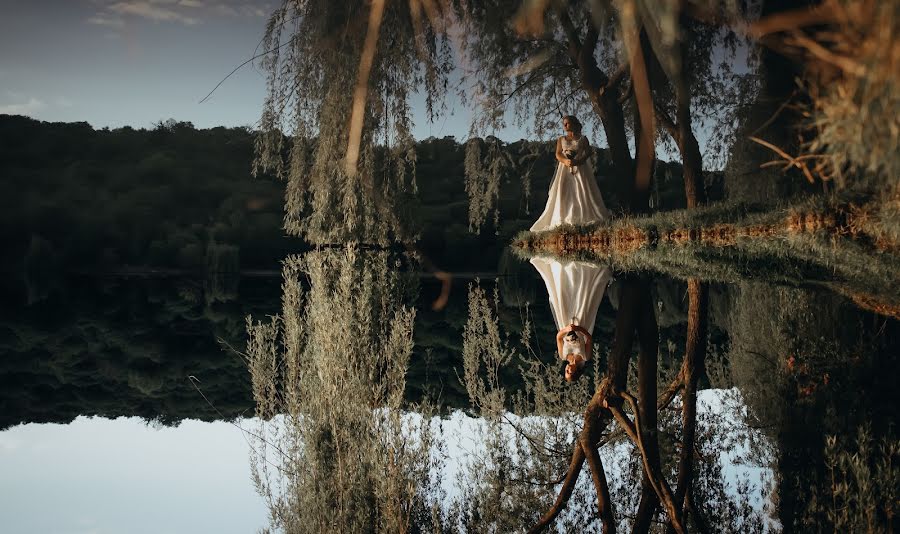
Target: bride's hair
(573, 122)
(577, 371)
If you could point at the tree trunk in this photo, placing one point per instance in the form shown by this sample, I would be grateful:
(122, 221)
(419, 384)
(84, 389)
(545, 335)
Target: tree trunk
(692, 160)
(691, 370)
(612, 116)
(648, 339)
(564, 493)
(594, 423)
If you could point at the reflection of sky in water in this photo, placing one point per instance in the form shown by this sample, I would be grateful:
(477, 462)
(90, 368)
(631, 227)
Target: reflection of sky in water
(98, 475)
(106, 476)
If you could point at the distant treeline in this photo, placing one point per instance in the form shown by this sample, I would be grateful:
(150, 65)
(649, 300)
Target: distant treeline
(176, 197)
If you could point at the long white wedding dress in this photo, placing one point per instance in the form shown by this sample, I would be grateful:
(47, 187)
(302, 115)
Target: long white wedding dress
(574, 196)
(575, 289)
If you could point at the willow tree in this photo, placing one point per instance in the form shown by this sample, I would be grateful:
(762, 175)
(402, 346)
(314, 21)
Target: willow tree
(337, 116)
(333, 451)
(640, 69)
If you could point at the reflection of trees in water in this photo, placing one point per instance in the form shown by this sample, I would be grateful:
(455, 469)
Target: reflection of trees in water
(526, 458)
(335, 194)
(126, 347)
(859, 490)
(334, 452)
(337, 449)
(814, 370)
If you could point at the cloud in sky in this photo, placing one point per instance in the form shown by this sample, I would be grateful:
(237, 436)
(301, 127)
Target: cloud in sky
(103, 19)
(29, 107)
(154, 10)
(185, 12)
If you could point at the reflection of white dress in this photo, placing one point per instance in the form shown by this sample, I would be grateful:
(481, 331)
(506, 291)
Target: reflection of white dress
(574, 196)
(575, 289)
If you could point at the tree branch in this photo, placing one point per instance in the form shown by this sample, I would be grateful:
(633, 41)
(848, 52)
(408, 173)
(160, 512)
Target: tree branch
(547, 451)
(645, 128)
(667, 123)
(598, 475)
(666, 397)
(593, 77)
(569, 29)
(617, 77)
(648, 366)
(565, 491)
(823, 13)
(651, 465)
(692, 368)
(699, 519)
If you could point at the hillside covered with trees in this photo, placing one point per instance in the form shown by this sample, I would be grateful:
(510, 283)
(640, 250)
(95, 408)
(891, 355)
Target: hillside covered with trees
(176, 197)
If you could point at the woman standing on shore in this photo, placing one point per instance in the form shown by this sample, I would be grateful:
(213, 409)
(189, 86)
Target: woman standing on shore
(574, 196)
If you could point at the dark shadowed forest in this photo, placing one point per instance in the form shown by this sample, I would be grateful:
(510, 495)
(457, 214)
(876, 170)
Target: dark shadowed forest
(135, 251)
(180, 198)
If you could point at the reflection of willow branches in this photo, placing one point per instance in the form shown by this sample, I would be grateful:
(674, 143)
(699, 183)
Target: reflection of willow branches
(525, 463)
(328, 378)
(244, 432)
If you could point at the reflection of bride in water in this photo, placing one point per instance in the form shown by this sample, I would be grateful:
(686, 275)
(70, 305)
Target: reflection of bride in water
(575, 290)
(574, 196)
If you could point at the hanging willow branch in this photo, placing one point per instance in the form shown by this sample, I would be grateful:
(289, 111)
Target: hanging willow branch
(336, 122)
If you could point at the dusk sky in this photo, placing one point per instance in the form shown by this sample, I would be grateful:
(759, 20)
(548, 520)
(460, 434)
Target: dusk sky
(136, 62)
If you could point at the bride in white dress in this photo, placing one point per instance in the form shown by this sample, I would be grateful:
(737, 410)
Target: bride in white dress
(575, 290)
(574, 196)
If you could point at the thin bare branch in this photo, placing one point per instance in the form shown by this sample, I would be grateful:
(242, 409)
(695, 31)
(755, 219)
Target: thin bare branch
(667, 123)
(362, 86)
(651, 465)
(791, 20)
(565, 491)
(818, 51)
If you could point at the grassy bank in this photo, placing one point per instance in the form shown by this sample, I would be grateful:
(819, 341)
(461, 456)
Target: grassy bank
(848, 244)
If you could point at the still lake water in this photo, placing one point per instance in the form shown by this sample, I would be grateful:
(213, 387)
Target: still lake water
(121, 403)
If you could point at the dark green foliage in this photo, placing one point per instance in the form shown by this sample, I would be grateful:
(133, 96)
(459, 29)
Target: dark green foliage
(809, 365)
(87, 200)
(84, 200)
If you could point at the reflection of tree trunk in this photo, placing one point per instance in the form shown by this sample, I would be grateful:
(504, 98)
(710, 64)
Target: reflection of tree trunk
(651, 465)
(691, 370)
(698, 295)
(648, 354)
(635, 299)
(565, 491)
(588, 443)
